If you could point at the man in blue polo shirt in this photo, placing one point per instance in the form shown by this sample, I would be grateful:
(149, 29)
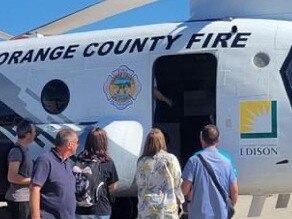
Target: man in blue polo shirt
(53, 184)
(207, 202)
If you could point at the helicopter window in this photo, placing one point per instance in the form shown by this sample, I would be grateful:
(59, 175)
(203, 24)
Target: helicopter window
(286, 73)
(55, 96)
(7, 116)
(261, 60)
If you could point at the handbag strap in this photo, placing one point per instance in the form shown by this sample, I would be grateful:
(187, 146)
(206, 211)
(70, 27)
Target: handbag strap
(213, 177)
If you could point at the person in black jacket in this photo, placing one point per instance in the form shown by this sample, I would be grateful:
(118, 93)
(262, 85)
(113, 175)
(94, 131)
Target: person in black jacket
(95, 166)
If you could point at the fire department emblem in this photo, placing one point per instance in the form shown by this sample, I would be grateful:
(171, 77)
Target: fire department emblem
(122, 87)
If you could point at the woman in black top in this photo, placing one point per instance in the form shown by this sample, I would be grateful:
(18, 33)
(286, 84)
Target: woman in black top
(96, 177)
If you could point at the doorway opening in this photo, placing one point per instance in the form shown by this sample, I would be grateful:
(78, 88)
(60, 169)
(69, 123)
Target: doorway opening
(184, 88)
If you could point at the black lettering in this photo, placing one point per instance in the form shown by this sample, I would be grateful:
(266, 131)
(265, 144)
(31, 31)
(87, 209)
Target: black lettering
(139, 45)
(57, 52)
(249, 151)
(240, 38)
(171, 40)
(155, 41)
(119, 50)
(68, 53)
(107, 46)
(274, 151)
(42, 54)
(258, 151)
(266, 151)
(86, 53)
(221, 38)
(27, 57)
(207, 40)
(3, 57)
(14, 57)
(195, 38)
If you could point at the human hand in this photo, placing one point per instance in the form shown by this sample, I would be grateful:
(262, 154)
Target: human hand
(180, 210)
(169, 102)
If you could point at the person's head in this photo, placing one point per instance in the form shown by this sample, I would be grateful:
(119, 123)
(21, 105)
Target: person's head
(166, 138)
(96, 145)
(209, 136)
(26, 131)
(154, 143)
(67, 141)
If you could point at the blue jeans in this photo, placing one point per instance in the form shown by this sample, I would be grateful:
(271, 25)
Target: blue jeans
(92, 216)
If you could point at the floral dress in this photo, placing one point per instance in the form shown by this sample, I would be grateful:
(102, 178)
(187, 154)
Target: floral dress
(159, 179)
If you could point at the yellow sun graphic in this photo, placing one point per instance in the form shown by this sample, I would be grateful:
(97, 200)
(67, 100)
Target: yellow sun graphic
(249, 111)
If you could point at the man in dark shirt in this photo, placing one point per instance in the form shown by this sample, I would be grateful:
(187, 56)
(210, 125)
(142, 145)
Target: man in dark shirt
(53, 184)
(19, 171)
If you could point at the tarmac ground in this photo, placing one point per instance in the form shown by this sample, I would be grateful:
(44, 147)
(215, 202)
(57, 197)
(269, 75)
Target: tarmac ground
(269, 210)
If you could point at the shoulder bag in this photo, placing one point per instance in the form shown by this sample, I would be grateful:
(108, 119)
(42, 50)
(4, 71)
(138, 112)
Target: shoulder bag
(225, 197)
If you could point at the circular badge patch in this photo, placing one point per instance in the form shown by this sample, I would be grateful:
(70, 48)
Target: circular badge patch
(122, 87)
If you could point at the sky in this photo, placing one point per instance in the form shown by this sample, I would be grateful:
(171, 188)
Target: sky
(18, 16)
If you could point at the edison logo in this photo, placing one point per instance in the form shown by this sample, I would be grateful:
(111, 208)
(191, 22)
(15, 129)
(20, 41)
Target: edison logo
(258, 119)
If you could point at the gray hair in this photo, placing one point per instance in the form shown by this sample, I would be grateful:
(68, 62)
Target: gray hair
(23, 127)
(64, 136)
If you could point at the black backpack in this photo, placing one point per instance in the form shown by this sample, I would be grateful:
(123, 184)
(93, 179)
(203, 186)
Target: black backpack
(4, 183)
(90, 185)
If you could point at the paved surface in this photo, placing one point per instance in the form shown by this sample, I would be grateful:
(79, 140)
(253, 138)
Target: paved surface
(269, 211)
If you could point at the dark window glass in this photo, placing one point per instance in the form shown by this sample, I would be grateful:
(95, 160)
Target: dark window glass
(286, 73)
(289, 75)
(55, 96)
(7, 116)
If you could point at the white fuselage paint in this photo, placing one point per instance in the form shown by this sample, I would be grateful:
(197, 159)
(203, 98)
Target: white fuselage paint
(85, 61)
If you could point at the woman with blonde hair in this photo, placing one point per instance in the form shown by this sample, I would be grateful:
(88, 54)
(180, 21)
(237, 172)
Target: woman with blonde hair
(158, 178)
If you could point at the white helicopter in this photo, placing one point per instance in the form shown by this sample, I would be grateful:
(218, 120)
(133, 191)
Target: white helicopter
(230, 64)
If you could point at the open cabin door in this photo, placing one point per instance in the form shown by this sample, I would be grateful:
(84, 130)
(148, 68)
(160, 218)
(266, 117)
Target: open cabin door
(189, 84)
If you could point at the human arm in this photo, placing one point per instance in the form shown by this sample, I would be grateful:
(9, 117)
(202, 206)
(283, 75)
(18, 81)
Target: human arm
(14, 177)
(40, 174)
(176, 173)
(188, 178)
(113, 179)
(234, 192)
(112, 188)
(15, 158)
(233, 188)
(34, 201)
(186, 187)
(159, 96)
